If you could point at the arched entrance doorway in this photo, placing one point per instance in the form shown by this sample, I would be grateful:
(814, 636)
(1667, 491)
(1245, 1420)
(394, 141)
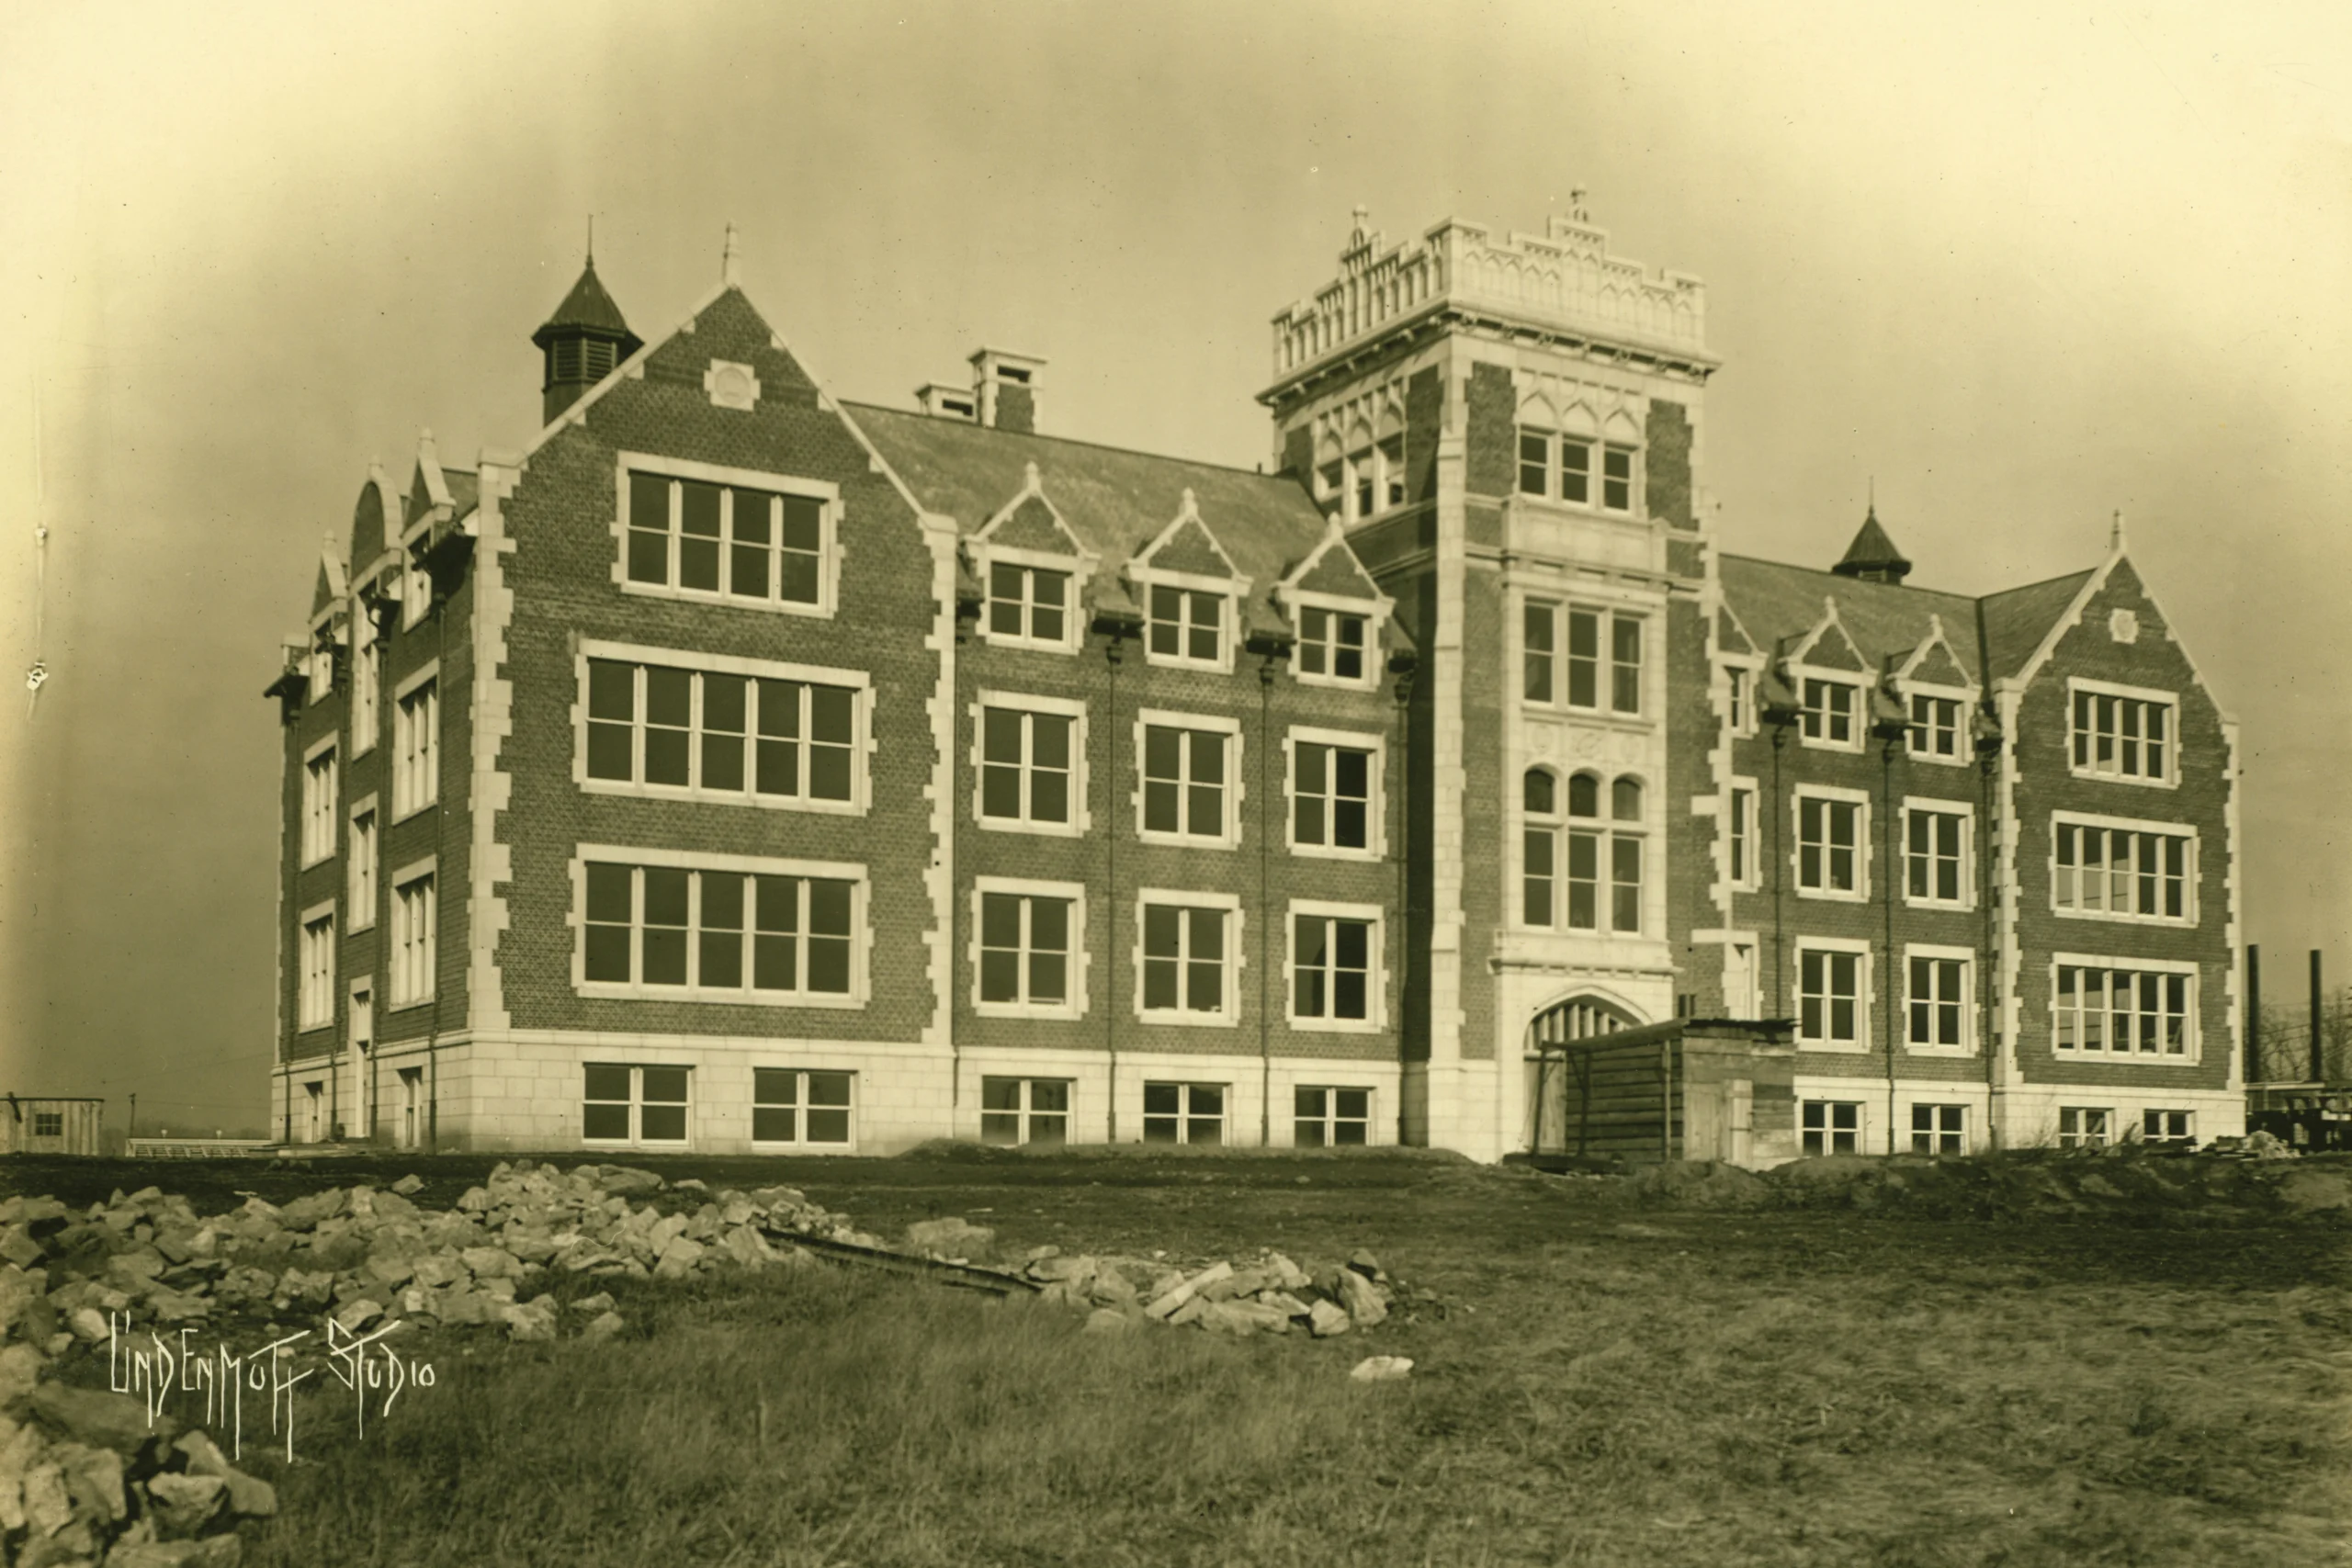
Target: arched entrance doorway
(1553, 1063)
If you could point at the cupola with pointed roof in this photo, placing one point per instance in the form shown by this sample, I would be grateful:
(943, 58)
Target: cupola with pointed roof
(1872, 557)
(582, 342)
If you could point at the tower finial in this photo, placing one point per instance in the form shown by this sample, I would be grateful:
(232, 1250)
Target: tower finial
(1874, 506)
(1364, 220)
(592, 239)
(2115, 533)
(727, 258)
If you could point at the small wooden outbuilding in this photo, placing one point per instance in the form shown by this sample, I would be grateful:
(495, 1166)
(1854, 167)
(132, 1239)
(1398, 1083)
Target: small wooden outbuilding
(1690, 1088)
(52, 1126)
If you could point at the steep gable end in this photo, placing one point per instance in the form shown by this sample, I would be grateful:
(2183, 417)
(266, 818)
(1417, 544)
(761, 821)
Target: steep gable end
(1827, 645)
(1030, 522)
(1332, 568)
(1934, 662)
(1187, 545)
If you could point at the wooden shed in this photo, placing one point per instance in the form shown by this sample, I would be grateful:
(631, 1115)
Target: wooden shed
(52, 1126)
(1691, 1089)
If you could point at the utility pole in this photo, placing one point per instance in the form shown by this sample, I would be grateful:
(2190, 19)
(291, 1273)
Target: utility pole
(134, 1121)
(2319, 1040)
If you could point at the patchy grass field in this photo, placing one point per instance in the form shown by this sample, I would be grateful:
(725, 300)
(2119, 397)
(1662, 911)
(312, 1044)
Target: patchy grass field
(1599, 1384)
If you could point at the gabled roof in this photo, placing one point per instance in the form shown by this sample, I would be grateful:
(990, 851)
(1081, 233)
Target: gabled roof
(1116, 501)
(1187, 545)
(1779, 605)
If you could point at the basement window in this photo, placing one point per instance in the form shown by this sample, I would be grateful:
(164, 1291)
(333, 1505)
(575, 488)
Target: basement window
(1325, 1117)
(2178, 1128)
(1025, 1111)
(1833, 1126)
(1183, 1113)
(633, 1105)
(790, 1107)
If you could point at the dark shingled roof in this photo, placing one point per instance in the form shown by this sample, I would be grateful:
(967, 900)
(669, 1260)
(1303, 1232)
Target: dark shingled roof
(586, 305)
(1778, 604)
(1116, 502)
(2016, 619)
(1872, 551)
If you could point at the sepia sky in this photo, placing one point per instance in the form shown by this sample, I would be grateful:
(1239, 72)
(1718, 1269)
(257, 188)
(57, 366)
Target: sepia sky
(2020, 269)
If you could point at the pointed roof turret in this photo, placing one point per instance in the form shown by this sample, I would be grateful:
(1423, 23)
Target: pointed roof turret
(585, 338)
(1872, 557)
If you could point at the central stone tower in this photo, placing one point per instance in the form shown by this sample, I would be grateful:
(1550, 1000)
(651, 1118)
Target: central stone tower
(1511, 430)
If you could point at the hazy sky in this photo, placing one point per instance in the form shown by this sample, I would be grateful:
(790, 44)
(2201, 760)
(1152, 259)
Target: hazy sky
(2024, 264)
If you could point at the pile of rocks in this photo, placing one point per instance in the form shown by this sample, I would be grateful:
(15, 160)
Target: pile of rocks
(86, 1477)
(358, 1255)
(1267, 1294)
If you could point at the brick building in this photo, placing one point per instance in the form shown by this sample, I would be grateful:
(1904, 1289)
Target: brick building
(740, 769)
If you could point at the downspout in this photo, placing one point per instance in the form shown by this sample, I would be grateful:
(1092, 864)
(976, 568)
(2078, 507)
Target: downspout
(1988, 893)
(1886, 901)
(1779, 876)
(1113, 630)
(1265, 872)
(1402, 666)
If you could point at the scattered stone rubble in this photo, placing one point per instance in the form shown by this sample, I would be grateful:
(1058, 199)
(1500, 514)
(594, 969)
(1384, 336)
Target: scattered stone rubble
(1267, 1294)
(85, 1477)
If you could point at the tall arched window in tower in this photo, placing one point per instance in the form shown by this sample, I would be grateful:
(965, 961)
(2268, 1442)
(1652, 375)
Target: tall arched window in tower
(1540, 848)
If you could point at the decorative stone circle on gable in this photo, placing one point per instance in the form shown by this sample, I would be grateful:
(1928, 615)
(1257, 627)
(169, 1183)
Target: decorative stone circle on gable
(730, 386)
(2123, 627)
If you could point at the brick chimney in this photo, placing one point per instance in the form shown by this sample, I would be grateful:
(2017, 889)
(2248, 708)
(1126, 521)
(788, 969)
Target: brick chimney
(1005, 386)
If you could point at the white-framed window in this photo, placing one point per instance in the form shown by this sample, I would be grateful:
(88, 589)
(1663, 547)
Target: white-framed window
(1939, 998)
(1939, 838)
(1938, 1129)
(796, 1107)
(49, 1124)
(1192, 779)
(2124, 1008)
(1335, 966)
(1025, 1111)
(2168, 1127)
(1031, 605)
(1580, 869)
(1185, 968)
(415, 925)
(1833, 993)
(1832, 714)
(2085, 1126)
(318, 670)
(1938, 731)
(1832, 1126)
(730, 535)
(1028, 958)
(1576, 656)
(1576, 469)
(707, 727)
(1031, 761)
(2109, 868)
(316, 1007)
(364, 852)
(1324, 1116)
(1183, 1113)
(416, 743)
(1189, 626)
(2123, 732)
(366, 680)
(320, 805)
(1833, 844)
(719, 928)
(1335, 794)
(1335, 647)
(633, 1105)
(1741, 711)
(1740, 829)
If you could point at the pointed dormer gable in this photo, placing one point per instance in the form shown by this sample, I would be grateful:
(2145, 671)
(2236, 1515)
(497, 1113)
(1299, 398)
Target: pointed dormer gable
(1337, 614)
(1030, 522)
(1186, 547)
(333, 584)
(1196, 602)
(1031, 571)
(375, 521)
(1828, 646)
(1330, 570)
(1934, 662)
(428, 488)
